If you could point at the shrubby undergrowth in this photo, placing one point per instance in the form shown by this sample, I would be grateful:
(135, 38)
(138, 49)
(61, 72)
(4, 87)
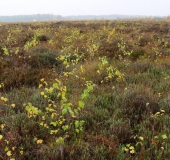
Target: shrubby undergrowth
(85, 90)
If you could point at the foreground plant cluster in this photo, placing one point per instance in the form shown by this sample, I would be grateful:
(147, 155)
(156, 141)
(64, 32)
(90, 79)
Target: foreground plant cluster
(85, 90)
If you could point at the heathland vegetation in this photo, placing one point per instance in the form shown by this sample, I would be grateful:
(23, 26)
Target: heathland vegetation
(97, 90)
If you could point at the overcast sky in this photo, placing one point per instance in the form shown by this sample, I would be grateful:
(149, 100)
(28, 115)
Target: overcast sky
(85, 7)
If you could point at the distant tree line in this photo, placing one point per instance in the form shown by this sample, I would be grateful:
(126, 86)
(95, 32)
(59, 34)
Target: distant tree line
(27, 18)
(50, 17)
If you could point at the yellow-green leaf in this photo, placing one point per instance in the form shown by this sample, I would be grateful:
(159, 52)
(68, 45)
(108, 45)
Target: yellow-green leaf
(164, 136)
(81, 104)
(39, 141)
(1, 136)
(6, 149)
(64, 111)
(60, 140)
(9, 153)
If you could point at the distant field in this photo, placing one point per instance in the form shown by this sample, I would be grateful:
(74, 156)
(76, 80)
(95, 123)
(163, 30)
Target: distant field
(85, 90)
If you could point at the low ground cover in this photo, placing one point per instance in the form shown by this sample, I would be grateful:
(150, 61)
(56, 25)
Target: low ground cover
(85, 90)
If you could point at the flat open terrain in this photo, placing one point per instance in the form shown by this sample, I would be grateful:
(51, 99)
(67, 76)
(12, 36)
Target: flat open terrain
(85, 90)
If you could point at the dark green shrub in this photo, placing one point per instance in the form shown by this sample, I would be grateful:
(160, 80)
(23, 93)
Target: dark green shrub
(139, 66)
(110, 49)
(46, 59)
(43, 38)
(136, 102)
(24, 76)
(165, 103)
(96, 147)
(137, 53)
(122, 130)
